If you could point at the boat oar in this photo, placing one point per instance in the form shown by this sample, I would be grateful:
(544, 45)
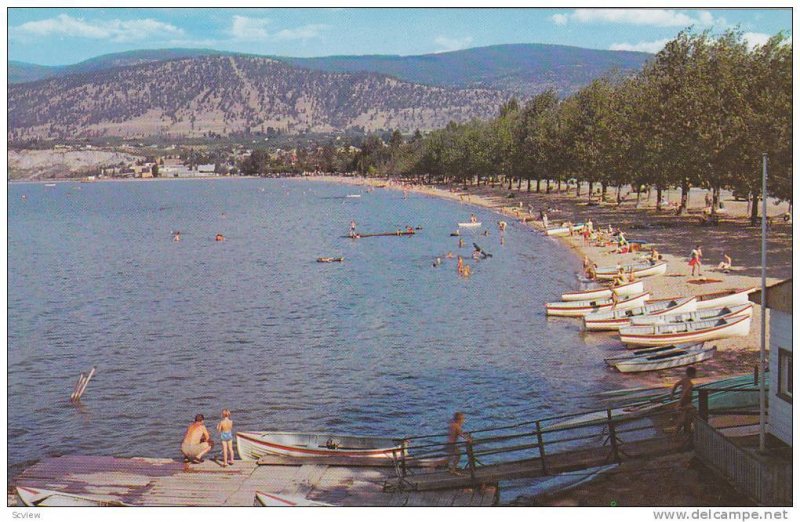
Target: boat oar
(86, 383)
(74, 394)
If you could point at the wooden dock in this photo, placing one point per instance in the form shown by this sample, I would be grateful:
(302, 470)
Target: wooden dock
(167, 482)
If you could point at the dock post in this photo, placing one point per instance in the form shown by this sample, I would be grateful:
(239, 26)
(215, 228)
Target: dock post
(403, 469)
(612, 436)
(540, 441)
(702, 400)
(471, 459)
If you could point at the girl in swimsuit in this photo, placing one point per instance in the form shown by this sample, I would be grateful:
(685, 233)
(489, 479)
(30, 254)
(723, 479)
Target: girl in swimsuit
(225, 429)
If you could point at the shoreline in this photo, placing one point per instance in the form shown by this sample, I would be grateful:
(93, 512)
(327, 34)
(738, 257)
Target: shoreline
(736, 356)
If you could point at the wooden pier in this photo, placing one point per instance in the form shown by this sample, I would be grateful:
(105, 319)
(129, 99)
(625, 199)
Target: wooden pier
(167, 482)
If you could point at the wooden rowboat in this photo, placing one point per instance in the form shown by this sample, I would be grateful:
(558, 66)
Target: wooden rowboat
(35, 497)
(733, 297)
(653, 350)
(581, 308)
(274, 500)
(698, 315)
(637, 287)
(639, 270)
(254, 445)
(616, 319)
(662, 361)
(676, 333)
(470, 225)
(383, 234)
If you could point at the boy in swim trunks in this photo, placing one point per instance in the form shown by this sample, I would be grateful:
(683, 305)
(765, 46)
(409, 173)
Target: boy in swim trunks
(225, 429)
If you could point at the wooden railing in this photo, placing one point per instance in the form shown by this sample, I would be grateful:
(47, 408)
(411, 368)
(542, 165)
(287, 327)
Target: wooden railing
(766, 481)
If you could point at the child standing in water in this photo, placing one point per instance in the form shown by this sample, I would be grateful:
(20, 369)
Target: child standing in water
(225, 429)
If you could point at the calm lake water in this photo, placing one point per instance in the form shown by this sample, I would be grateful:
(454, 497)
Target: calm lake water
(382, 344)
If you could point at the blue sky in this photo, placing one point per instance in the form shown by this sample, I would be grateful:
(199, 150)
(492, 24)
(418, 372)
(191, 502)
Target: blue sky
(54, 36)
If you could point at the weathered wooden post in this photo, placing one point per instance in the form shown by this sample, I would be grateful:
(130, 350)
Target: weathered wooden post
(612, 436)
(403, 449)
(540, 441)
(702, 400)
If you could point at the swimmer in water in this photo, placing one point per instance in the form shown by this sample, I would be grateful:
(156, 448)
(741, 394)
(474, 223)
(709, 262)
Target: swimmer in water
(219, 237)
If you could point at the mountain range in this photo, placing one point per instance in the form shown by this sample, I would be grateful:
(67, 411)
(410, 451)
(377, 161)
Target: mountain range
(201, 92)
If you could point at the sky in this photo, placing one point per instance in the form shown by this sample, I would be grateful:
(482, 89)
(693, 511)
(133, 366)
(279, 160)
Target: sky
(59, 36)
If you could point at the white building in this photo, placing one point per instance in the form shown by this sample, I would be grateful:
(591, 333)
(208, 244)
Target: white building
(779, 303)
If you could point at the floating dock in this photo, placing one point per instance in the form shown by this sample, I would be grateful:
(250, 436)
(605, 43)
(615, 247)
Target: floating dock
(168, 482)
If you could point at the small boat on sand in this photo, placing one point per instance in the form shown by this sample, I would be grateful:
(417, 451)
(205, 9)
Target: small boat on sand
(274, 500)
(669, 359)
(637, 287)
(330, 259)
(254, 445)
(470, 225)
(676, 333)
(35, 497)
(732, 297)
(616, 319)
(563, 230)
(581, 308)
(653, 350)
(699, 315)
(639, 270)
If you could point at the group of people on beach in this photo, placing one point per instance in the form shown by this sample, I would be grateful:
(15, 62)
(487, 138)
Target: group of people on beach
(197, 440)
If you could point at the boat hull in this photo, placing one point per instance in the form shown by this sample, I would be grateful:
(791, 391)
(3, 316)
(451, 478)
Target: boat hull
(35, 497)
(264, 499)
(639, 271)
(737, 327)
(670, 360)
(470, 225)
(697, 315)
(563, 231)
(637, 287)
(733, 299)
(603, 321)
(254, 445)
(581, 308)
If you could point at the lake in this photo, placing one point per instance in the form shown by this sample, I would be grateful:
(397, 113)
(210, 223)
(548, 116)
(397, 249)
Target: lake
(382, 344)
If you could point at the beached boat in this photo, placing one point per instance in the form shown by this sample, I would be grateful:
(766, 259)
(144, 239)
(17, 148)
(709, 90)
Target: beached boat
(254, 445)
(274, 500)
(735, 296)
(35, 497)
(330, 260)
(653, 350)
(563, 230)
(581, 308)
(616, 319)
(639, 270)
(675, 333)
(470, 225)
(698, 315)
(605, 292)
(662, 361)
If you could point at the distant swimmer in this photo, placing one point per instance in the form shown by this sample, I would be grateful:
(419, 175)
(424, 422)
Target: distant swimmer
(352, 225)
(437, 262)
(485, 232)
(473, 218)
(176, 236)
(460, 243)
(219, 237)
(502, 225)
(460, 266)
(449, 255)
(467, 271)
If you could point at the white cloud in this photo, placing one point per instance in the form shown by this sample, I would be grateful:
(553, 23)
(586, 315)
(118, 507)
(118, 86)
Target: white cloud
(245, 28)
(644, 47)
(446, 43)
(650, 17)
(115, 30)
(305, 32)
(755, 39)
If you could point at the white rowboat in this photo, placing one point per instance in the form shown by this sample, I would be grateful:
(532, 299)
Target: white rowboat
(616, 319)
(254, 445)
(653, 350)
(581, 308)
(35, 497)
(273, 500)
(733, 297)
(637, 287)
(699, 315)
(639, 270)
(353, 196)
(676, 333)
(470, 225)
(563, 230)
(662, 361)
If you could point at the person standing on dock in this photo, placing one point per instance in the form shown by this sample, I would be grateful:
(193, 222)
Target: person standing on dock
(225, 429)
(454, 432)
(197, 441)
(685, 407)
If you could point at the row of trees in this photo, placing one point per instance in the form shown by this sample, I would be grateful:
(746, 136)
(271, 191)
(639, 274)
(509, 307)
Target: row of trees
(700, 114)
